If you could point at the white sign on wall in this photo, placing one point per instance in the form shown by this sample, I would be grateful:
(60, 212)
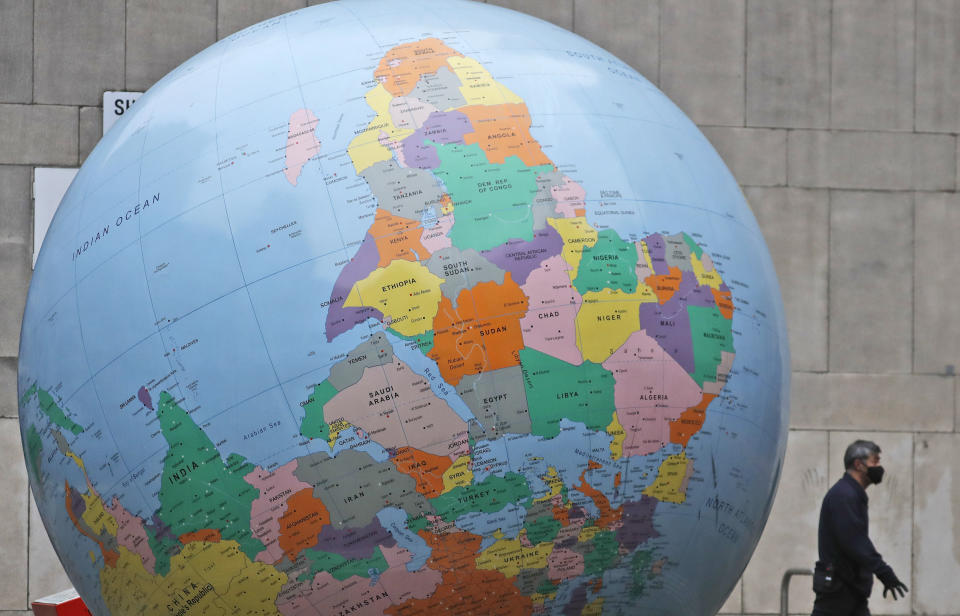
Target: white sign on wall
(115, 104)
(50, 184)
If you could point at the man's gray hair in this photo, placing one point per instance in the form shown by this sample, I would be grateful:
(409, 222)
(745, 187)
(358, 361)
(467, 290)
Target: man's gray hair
(859, 450)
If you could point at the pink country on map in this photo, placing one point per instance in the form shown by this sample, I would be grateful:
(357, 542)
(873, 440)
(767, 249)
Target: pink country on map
(395, 147)
(396, 408)
(132, 535)
(409, 113)
(652, 390)
(302, 143)
(325, 594)
(436, 238)
(570, 198)
(564, 564)
(402, 584)
(643, 269)
(275, 487)
(550, 323)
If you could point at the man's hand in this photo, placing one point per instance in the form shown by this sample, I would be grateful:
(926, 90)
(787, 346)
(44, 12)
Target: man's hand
(893, 585)
(894, 588)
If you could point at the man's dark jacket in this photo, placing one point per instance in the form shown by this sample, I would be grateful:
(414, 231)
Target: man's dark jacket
(843, 538)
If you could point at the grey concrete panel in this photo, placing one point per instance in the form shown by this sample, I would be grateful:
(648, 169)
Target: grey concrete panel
(938, 72)
(14, 513)
(795, 224)
(871, 282)
(8, 387)
(46, 573)
(16, 51)
(872, 76)
(558, 12)
(14, 280)
(788, 63)
(755, 156)
(235, 15)
(160, 36)
(91, 129)
(895, 402)
(936, 531)
(38, 134)
(936, 319)
(15, 219)
(702, 59)
(78, 50)
(890, 506)
(871, 160)
(790, 537)
(629, 29)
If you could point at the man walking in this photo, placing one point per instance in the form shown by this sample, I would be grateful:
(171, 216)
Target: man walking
(848, 561)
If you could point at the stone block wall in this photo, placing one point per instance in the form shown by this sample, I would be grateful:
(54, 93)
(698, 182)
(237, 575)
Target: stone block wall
(838, 117)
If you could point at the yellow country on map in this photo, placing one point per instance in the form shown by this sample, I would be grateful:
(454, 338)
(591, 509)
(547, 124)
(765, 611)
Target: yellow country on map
(407, 293)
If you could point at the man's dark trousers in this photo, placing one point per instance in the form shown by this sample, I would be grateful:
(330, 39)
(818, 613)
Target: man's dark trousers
(842, 602)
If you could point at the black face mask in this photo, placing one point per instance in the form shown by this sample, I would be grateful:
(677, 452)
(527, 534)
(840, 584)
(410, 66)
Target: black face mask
(875, 474)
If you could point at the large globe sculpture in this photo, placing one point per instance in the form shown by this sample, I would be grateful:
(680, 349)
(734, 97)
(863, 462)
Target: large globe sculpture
(404, 308)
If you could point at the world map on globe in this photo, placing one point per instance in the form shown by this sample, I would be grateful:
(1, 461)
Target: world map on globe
(404, 308)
